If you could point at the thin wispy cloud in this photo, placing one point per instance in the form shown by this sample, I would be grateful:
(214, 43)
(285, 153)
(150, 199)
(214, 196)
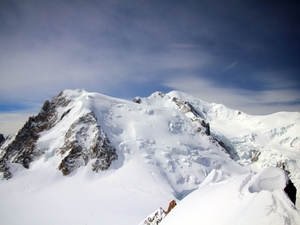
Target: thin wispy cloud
(230, 66)
(236, 62)
(243, 54)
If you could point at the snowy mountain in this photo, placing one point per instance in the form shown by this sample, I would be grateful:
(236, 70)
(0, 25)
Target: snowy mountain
(87, 158)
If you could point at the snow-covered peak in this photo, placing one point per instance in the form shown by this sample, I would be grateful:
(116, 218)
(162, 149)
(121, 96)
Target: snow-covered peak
(141, 153)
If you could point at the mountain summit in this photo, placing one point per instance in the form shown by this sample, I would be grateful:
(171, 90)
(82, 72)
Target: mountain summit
(127, 158)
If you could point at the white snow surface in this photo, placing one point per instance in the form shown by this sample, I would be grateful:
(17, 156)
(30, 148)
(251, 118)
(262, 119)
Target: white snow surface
(276, 137)
(161, 157)
(247, 199)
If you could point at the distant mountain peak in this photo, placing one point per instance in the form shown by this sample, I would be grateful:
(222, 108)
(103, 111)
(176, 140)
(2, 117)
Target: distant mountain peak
(84, 140)
(22, 147)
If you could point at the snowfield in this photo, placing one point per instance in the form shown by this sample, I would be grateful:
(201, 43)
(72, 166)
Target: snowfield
(247, 199)
(163, 153)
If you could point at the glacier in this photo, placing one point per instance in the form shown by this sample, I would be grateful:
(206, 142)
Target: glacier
(96, 159)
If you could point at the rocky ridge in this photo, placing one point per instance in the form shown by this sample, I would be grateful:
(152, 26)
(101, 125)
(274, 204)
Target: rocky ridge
(76, 153)
(21, 148)
(2, 139)
(198, 118)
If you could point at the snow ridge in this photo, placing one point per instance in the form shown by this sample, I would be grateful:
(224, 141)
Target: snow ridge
(246, 199)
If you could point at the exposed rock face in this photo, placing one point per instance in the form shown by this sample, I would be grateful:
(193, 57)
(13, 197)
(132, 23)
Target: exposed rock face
(291, 191)
(186, 107)
(2, 139)
(229, 150)
(202, 127)
(172, 204)
(22, 149)
(84, 141)
(5, 169)
(154, 218)
(255, 155)
(157, 216)
(137, 100)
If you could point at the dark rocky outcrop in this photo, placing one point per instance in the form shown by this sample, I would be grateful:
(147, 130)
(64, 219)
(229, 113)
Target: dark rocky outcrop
(207, 127)
(85, 141)
(197, 118)
(172, 204)
(255, 155)
(291, 191)
(137, 100)
(2, 139)
(202, 126)
(290, 188)
(22, 149)
(76, 153)
(185, 107)
(227, 149)
(5, 169)
(157, 216)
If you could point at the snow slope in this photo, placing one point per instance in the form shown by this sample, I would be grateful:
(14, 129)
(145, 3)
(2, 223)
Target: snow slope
(246, 199)
(257, 141)
(163, 153)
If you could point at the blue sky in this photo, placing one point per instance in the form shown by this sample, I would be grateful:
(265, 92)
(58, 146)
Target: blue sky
(243, 54)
